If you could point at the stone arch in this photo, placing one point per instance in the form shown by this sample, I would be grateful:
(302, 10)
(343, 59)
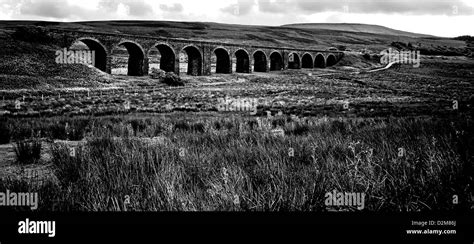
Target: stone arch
(296, 63)
(331, 60)
(319, 61)
(276, 61)
(242, 61)
(194, 60)
(307, 61)
(100, 52)
(167, 54)
(260, 61)
(223, 64)
(136, 57)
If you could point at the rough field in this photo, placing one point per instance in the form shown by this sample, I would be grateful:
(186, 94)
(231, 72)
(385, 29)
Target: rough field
(394, 135)
(406, 91)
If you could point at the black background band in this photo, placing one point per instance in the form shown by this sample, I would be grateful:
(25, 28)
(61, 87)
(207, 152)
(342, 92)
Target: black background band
(193, 226)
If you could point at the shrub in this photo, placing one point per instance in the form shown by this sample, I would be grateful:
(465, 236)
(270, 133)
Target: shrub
(298, 129)
(376, 57)
(168, 78)
(67, 168)
(32, 34)
(341, 48)
(399, 45)
(139, 125)
(28, 152)
(157, 73)
(5, 134)
(172, 79)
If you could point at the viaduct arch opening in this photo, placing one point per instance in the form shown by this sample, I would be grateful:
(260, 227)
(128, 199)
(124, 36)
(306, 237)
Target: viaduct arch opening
(135, 58)
(276, 61)
(100, 53)
(319, 61)
(222, 61)
(294, 63)
(242, 64)
(260, 62)
(192, 57)
(307, 61)
(331, 60)
(162, 56)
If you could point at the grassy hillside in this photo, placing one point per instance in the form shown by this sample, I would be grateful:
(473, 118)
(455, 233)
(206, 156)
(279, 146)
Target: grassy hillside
(28, 60)
(353, 36)
(374, 29)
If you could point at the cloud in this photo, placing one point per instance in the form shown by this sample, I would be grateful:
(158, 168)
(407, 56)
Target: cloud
(420, 7)
(277, 6)
(109, 5)
(298, 7)
(135, 8)
(49, 8)
(440, 17)
(65, 11)
(138, 8)
(242, 7)
(172, 8)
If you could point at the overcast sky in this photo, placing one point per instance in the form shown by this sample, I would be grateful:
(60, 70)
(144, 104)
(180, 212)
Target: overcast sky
(437, 17)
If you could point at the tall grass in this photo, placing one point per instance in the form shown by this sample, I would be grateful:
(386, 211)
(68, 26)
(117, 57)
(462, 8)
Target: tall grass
(28, 151)
(238, 164)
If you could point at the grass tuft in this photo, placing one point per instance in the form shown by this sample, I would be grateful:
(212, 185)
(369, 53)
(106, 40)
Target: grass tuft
(28, 151)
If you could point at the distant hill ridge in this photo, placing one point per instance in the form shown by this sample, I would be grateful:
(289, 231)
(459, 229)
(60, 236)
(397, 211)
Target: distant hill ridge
(354, 37)
(374, 29)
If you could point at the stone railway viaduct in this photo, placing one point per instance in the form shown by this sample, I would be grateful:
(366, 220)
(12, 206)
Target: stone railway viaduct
(244, 58)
